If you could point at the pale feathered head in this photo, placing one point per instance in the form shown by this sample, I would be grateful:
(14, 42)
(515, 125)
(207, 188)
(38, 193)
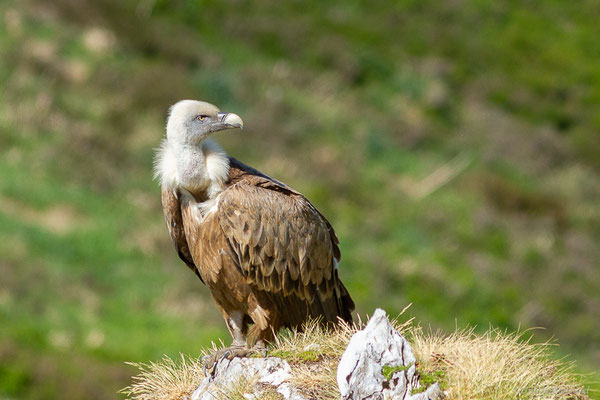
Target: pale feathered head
(191, 121)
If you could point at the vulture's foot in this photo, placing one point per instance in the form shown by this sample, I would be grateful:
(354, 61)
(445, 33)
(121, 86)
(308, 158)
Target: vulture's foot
(229, 353)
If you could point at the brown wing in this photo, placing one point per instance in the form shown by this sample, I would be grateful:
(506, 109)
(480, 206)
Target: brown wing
(282, 244)
(172, 211)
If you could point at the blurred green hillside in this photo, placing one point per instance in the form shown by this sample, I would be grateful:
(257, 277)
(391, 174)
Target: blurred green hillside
(454, 146)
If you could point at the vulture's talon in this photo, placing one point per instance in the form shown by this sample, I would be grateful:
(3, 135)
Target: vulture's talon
(229, 353)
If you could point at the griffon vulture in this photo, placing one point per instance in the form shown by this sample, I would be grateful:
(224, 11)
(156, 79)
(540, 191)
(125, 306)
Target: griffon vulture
(268, 256)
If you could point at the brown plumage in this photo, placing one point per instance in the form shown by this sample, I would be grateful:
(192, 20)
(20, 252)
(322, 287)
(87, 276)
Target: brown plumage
(268, 256)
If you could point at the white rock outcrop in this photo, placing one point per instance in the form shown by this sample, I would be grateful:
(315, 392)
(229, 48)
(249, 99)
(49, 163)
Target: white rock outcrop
(260, 374)
(376, 348)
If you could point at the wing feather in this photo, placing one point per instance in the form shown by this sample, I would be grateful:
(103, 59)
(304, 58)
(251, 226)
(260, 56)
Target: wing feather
(281, 241)
(173, 217)
(284, 246)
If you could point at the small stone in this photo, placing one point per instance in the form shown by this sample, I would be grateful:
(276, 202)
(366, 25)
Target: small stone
(261, 373)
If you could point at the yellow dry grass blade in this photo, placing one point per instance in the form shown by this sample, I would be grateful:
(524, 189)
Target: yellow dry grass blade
(166, 379)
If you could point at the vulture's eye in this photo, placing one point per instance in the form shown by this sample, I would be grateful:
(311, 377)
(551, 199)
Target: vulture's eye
(201, 117)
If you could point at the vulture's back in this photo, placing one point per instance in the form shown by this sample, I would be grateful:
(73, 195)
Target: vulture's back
(284, 247)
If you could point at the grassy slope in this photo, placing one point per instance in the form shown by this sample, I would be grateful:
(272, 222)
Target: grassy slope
(489, 366)
(454, 148)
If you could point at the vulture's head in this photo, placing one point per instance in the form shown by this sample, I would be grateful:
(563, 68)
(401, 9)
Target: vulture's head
(191, 121)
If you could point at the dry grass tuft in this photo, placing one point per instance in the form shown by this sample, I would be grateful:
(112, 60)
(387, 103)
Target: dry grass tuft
(495, 365)
(313, 355)
(166, 379)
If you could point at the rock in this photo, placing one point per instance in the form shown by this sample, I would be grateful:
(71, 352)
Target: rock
(360, 374)
(261, 374)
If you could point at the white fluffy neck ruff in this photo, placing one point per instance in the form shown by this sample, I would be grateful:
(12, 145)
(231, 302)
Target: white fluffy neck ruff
(198, 167)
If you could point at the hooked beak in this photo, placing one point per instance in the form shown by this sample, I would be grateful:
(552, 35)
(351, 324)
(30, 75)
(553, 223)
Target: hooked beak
(227, 121)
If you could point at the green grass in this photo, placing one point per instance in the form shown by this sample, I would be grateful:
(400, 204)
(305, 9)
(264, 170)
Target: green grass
(389, 370)
(453, 147)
